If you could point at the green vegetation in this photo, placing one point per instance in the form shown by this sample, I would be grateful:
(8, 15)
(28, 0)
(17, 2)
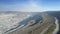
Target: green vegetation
(50, 30)
(46, 20)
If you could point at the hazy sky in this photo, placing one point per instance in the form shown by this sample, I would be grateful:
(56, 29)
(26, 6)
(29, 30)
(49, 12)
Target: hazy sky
(29, 5)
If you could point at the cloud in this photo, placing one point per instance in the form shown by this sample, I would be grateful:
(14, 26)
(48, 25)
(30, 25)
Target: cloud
(34, 6)
(30, 6)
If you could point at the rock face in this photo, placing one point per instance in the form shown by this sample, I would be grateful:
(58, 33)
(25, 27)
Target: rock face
(32, 20)
(35, 25)
(9, 20)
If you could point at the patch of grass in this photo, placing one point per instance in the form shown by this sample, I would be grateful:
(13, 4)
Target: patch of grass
(50, 29)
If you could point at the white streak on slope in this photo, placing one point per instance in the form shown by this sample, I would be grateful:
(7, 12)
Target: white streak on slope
(57, 26)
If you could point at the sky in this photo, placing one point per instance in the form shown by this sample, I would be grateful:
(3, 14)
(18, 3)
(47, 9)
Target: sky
(29, 5)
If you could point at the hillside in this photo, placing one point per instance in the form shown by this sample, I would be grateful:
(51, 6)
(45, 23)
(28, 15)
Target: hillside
(55, 14)
(38, 28)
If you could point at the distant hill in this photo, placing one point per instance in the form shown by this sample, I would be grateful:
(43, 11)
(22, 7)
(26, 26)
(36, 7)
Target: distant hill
(54, 13)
